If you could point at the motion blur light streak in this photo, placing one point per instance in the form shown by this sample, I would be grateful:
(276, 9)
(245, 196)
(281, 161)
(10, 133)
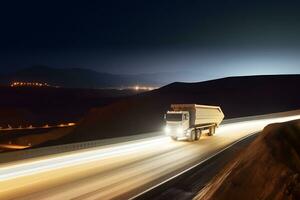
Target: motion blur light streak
(119, 170)
(254, 124)
(28, 168)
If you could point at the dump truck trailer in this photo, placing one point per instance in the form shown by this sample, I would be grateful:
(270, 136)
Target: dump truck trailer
(188, 121)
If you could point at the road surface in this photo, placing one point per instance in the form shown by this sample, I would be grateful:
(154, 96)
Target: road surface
(119, 171)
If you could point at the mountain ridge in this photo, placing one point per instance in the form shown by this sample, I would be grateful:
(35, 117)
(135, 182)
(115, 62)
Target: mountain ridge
(76, 78)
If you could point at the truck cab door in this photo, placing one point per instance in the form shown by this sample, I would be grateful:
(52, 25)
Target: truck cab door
(186, 121)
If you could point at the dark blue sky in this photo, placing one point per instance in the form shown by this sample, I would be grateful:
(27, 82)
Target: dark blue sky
(208, 38)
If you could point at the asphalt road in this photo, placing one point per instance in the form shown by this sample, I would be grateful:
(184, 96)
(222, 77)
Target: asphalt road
(119, 171)
(187, 185)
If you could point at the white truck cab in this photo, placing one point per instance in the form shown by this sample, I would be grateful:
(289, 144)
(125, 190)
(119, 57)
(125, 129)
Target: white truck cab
(177, 122)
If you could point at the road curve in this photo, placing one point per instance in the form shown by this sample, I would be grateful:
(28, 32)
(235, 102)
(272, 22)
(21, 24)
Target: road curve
(118, 171)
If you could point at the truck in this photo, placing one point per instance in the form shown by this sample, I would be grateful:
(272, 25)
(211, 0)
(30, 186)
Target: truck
(189, 121)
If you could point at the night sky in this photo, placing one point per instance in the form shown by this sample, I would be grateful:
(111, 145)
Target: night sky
(208, 39)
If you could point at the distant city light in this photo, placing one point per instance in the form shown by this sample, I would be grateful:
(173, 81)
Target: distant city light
(138, 88)
(46, 126)
(30, 84)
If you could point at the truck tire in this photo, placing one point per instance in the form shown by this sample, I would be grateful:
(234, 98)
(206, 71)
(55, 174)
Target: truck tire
(198, 134)
(212, 131)
(192, 136)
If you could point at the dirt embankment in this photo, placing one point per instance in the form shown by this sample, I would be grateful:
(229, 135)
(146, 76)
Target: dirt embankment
(268, 169)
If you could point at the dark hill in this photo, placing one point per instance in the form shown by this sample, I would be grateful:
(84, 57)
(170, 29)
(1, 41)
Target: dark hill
(77, 78)
(46, 105)
(238, 97)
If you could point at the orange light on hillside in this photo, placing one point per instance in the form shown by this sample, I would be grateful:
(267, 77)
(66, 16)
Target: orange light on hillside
(30, 84)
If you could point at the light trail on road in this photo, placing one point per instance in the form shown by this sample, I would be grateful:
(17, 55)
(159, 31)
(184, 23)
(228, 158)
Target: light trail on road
(117, 171)
(38, 166)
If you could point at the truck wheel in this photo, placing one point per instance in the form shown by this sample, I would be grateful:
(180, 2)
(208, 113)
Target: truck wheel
(192, 136)
(198, 134)
(174, 138)
(212, 130)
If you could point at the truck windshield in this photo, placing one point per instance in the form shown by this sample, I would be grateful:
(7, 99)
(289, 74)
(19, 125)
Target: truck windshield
(174, 117)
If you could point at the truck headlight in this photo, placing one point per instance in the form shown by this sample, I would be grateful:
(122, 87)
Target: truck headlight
(167, 129)
(179, 130)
